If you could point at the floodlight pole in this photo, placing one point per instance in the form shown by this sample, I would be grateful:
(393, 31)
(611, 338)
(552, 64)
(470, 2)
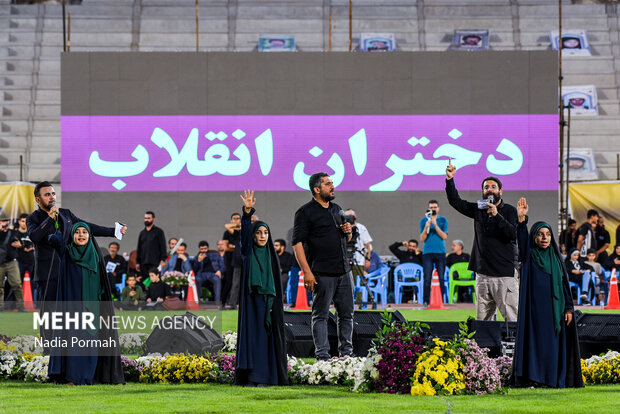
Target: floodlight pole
(330, 28)
(565, 224)
(68, 31)
(64, 28)
(350, 25)
(563, 208)
(197, 37)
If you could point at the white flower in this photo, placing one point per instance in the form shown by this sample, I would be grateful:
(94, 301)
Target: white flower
(132, 343)
(230, 341)
(147, 360)
(36, 369)
(25, 343)
(595, 359)
(7, 361)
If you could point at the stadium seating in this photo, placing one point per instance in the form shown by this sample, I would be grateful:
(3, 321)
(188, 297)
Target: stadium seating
(31, 43)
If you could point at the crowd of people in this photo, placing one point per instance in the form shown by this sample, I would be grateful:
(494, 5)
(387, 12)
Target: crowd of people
(250, 271)
(218, 271)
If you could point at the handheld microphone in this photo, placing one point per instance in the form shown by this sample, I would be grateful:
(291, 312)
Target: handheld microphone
(343, 217)
(56, 226)
(491, 199)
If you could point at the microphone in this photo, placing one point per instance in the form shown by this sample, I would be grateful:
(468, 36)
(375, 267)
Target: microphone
(343, 217)
(491, 199)
(56, 225)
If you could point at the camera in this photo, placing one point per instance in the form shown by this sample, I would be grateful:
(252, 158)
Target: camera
(430, 213)
(349, 218)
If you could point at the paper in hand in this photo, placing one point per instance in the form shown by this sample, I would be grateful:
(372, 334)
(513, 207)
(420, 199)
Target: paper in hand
(117, 230)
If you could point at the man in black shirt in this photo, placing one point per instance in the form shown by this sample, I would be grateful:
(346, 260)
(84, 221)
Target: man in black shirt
(603, 239)
(287, 261)
(585, 235)
(494, 255)
(568, 237)
(233, 263)
(45, 221)
(116, 266)
(319, 242)
(9, 243)
(151, 247)
(411, 255)
(25, 253)
(457, 255)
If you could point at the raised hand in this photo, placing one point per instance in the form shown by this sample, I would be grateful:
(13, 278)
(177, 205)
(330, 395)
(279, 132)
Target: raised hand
(248, 200)
(450, 171)
(522, 209)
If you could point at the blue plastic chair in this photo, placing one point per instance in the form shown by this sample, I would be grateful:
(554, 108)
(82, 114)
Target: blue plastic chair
(121, 286)
(289, 293)
(408, 274)
(377, 283)
(605, 286)
(572, 285)
(446, 284)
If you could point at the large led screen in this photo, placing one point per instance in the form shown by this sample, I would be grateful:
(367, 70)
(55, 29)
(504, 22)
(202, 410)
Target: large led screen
(279, 152)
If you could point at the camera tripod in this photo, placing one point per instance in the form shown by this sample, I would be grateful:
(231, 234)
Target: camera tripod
(359, 270)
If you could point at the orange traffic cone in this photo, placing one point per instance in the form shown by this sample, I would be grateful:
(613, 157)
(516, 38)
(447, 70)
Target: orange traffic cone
(301, 303)
(613, 303)
(436, 299)
(27, 290)
(192, 294)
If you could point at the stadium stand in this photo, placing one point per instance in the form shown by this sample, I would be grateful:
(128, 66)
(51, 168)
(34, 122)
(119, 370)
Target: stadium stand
(31, 43)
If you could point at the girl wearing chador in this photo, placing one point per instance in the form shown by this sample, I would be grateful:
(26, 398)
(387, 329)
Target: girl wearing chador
(84, 354)
(261, 350)
(547, 346)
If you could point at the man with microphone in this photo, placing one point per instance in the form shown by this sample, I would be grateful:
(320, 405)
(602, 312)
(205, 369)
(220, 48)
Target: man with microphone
(45, 221)
(494, 255)
(320, 236)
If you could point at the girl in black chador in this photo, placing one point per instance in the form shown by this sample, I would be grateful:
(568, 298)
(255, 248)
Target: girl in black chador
(261, 350)
(547, 346)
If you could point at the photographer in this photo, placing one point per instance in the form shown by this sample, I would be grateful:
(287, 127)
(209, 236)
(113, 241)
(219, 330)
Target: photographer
(9, 243)
(433, 233)
(359, 248)
(494, 255)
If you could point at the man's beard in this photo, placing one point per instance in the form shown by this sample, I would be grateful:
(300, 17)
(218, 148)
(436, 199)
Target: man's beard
(327, 196)
(147, 223)
(496, 196)
(46, 207)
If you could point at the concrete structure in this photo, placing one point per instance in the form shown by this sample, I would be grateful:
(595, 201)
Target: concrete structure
(31, 43)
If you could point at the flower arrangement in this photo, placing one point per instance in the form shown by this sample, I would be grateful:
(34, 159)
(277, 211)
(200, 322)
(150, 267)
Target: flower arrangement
(603, 369)
(230, 341)
(32, 368)
(438, 371)
(133, 343)
(366, 377)
(131, 369)
(8, 361)
(335, 371)
(175, 278)
(25, 343)
(224, 368)
(398, 346)
(481, 372)
(504, 367)
(179, 369)
(148, 360)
